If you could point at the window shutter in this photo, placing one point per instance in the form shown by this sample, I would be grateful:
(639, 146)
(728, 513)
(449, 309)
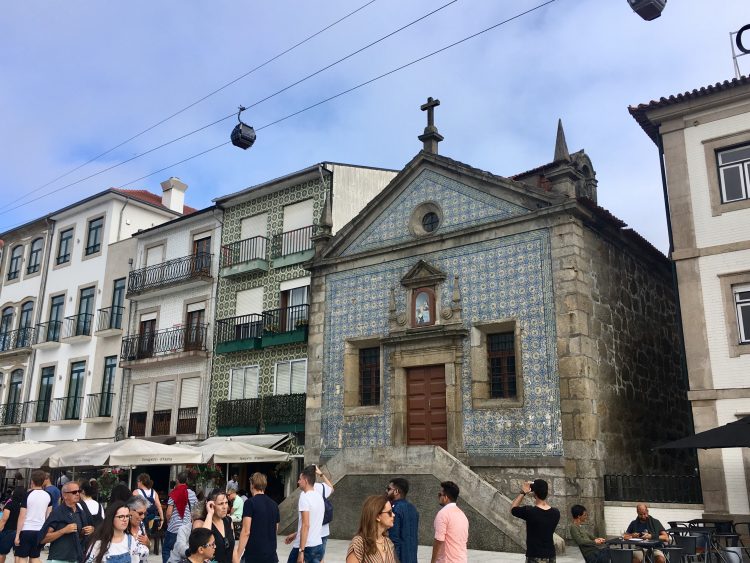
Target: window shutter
(298, 215)
(196, 307)
(251, 382)
(140, 398)
(249, 301)
(148, 317)
(295, 283)
(155, 255)
(191, 389)
(164, 396)
(299, 376)
(236, 384)
(283, 378)
(255, 226)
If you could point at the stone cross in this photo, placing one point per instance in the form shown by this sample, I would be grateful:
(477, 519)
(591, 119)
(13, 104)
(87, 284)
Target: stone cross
(429, 107)
(430, 138)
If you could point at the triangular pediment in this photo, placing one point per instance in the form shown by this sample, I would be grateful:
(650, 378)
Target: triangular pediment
(422, 274)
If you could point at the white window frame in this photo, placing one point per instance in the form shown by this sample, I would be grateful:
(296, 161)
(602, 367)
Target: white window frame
(276, 390)
(744, 170)
(254, 392)
(742, 307)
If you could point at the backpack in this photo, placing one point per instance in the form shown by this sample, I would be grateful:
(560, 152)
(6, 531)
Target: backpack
(328, 510)
(151, 512)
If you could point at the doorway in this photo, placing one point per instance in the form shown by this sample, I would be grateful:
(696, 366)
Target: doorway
(427, 419)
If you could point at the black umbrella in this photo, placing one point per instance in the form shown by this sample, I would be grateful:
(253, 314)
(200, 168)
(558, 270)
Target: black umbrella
(733, 435)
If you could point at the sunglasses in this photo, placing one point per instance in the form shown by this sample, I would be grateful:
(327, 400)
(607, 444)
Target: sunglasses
(141, 514)
(388, 512)
(76, 492)
(209, 545)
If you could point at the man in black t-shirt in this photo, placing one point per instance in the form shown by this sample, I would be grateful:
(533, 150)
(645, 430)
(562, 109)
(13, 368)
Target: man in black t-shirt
(260, 524)
(541, 521)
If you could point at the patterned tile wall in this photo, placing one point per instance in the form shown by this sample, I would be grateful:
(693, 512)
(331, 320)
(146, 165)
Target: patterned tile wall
(502, 278)
(469, 207)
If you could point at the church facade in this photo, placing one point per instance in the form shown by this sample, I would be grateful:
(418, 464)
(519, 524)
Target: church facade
(510, 321)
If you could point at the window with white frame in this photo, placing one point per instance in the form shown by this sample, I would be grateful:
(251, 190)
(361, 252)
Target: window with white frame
(734, 173)
(742, 303)
(243, 382)
(291, 377)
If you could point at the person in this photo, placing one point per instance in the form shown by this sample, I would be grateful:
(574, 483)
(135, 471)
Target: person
(62, 479)
(93, 512)
(307, 544)
(260, 524)
(405, 531)
(110, 542)
(371, 544)
(120, 492)
(182, 542)
(202, 546)
(180, 503)
(242, 493)
(35, 507)
(215, 517)
(235, 510)
(52, 491)
(541, 521)
(9, 521)
(154, 511)
(324, 489)
(592, 548)
(233, 483)
(65, 528)
(137, 528)
(646, 527)
(451, 528)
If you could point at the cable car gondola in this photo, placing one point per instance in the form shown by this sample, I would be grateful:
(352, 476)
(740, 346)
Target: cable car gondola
(243, 135)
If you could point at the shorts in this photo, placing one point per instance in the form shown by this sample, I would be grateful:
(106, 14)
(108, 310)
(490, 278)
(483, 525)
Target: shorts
(7, 538)
(28, 544)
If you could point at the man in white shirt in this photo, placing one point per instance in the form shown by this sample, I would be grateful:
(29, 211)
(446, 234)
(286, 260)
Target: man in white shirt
(325, 488)
(35, 508)
(308, 542)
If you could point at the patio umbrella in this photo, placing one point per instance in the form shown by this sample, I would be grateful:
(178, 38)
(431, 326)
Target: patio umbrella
(128, 452)
(13, 450)
(733, 435)
(41, 458)
(231, 451)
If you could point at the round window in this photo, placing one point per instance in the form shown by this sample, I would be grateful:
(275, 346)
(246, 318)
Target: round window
(430, 221)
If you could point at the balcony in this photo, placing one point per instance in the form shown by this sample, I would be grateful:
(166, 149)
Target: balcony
(47, 335)
(188, 271)
(99, 405)
(239, 333)
(11, 414)
(187, 420)
(161, 422)
(16, 341)
(244, 257)
(109, 321)
(65, 409)
(37, 411)
(77, 328)
(137, 424)
(268, 414)
(275, 327)
(163, 343)
(293, 247)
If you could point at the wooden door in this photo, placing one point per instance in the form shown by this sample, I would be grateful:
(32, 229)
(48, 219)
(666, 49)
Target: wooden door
(427, 421)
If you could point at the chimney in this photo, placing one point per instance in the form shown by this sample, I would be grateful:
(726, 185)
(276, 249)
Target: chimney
(173, 196)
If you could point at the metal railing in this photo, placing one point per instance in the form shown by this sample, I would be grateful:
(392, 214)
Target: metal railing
(160, 422)
(11, 414)
(137, 424)
(161, 342)
(48, 332)
(16, 339)
(285, 319)
(234, 253)
(194, 266)
(99, 405)
(66, 408)
(37, 411)
(78, 325)
(187, 420)
(685, 489)
(243, 327)
(110, 317)
(262, 411)
(290, 242)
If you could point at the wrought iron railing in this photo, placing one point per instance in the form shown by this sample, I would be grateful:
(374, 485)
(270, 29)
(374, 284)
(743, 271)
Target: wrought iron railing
(290, 242)
(262, 411)
(110, 317)
(11, 414)
(285, 319)
(238, 328)
(684, 489)
(178, 270)
(187, 420)
(160, 422)
(137, 424)
(16, 339)
(255, 248)
(162, 342)
(48, 332)
(66, 408)
(78, 325)
(99, 405)
(37, 411)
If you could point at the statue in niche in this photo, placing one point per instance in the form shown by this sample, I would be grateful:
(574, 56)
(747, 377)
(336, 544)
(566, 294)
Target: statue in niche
(424, 307)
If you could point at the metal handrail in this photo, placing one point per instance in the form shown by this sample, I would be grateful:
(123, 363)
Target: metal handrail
(16, 339)
(66, 408)
(194, 266)
(262, 411)
(11, 414)
(99, 405)
(160, 422)
(137, 424)
(110, 317)
(48, 332)
(290, 242)
(187, 420)
(285, 319)
(37, 411)
(242, 327)
(255, 248)
(161, 342)
(78, 325)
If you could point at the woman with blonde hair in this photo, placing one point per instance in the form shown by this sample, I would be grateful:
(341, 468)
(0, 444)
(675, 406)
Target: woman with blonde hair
(372, 544)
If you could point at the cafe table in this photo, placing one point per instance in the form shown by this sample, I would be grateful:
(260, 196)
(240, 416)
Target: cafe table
(647, 546)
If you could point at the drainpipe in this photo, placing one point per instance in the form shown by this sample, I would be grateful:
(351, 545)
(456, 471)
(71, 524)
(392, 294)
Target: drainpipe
(126, 372)
(210, 359)
(119, 224)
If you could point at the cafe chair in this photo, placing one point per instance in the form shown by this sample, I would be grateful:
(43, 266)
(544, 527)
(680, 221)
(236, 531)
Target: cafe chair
(673, 553)
(689, 545)
(617, 555)
(730, 555)
(742, 529)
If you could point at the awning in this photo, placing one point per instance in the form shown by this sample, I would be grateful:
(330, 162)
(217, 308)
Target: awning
(41, 458)
(229, 450)
(733, 435)
(273, 441)
(13, 450)
(132, 451)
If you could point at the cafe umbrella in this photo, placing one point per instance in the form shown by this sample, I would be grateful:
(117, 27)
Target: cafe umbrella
(733, 435)
(231, 451)
(18, 449)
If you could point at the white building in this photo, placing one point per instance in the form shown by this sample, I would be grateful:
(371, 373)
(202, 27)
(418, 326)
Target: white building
(704, 136)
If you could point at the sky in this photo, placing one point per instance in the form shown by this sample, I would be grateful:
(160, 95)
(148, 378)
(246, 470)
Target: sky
(79, 77)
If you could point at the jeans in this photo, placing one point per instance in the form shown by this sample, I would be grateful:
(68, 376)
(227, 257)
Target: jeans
(166, 548)
(312, 554)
